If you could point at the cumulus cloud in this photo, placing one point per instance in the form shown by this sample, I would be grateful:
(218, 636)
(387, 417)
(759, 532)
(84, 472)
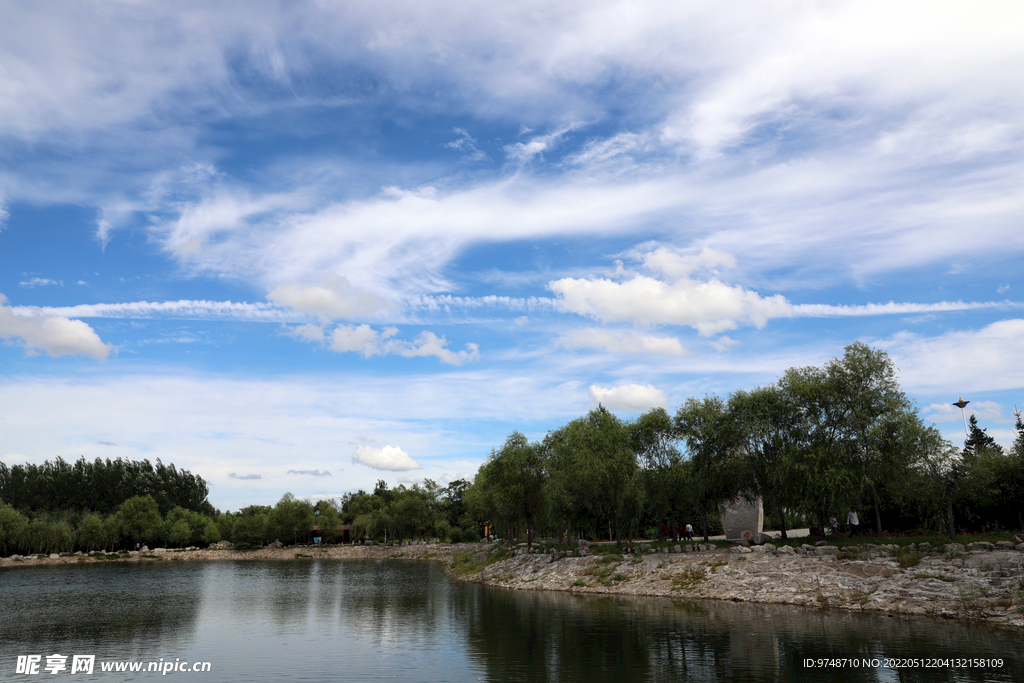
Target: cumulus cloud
(709, 306)
(335, 298)
(310, 473)
(618, 341)
(631, 398)
(56, 335)
(387, 458)
(987, 359)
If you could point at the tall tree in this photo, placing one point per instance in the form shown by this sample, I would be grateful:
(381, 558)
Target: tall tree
(767, 425)
(592, 467)
(978, 439)
(710, 440)
(821, 467)
(662, 468)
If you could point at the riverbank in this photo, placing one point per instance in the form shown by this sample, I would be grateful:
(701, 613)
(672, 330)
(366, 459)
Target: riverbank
(979, 582)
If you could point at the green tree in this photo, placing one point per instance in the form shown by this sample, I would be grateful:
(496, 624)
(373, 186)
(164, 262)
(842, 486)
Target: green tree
(250, 528)
(711, 440)
(140, 518)
(514, 480)
(91, 533)
(592, 467)
(821, 469)
(663, 470)
(292, 518)
(13, 526)
(766, 425)
(979, 440)
(948, 478)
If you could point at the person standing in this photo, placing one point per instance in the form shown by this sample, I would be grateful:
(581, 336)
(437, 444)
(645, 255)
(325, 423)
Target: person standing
(853, 521)
(689, 531)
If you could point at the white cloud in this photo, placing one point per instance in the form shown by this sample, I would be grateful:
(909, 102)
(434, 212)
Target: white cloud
(891, 308)
(633, 398)
(722, 343)
(708, 306)
(361, 339)
(56, 335)
(308, 332)
(310, 473)
(601, 150)
(387, 458)
(961, 361)
(185, 308)
(523, 152)
(40, 282)
(370, 342)
(621, 342)
(467, 144)
(337, 298)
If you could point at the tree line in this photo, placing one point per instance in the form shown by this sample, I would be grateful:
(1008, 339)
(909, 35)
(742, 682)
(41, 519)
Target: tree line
(815, 443)
(812, 444)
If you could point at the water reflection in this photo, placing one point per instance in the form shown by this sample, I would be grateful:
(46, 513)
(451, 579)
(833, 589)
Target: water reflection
(132, 607)
(325, 620)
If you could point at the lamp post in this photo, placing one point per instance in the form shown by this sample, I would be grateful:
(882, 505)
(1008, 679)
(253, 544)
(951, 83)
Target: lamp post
(961, 404)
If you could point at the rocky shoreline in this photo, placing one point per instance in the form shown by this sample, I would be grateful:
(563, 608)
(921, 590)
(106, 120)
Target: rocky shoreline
(980, 582)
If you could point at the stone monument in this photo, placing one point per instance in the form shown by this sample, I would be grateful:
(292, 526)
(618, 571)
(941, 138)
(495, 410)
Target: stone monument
(738, 516)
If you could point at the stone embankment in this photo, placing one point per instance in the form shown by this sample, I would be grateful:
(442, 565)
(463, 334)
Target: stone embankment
(978, 582)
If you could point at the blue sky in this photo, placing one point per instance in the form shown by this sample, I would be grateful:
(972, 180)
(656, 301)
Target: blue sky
(305, 246)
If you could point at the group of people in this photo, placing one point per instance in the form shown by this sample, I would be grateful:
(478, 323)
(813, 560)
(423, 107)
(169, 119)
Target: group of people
(852, 522)
(683, 531)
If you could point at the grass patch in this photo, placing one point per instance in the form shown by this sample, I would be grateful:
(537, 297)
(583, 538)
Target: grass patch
(688, 578)
(908, 558)
(151, 557)
(968, 596)
(474, 561)
(579, 583)
(303, 555)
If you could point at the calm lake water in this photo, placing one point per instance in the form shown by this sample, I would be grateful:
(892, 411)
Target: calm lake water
(374, 620)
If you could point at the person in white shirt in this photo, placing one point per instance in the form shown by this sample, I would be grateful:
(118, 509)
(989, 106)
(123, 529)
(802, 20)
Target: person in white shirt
(853, 521)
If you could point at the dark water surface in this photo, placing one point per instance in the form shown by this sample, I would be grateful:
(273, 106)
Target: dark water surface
(373, 620)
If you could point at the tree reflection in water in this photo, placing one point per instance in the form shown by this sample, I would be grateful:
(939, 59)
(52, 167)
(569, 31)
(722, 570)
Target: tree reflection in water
(321, 620)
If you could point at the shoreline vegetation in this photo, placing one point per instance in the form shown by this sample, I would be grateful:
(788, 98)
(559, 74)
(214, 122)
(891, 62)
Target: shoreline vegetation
(980, 582)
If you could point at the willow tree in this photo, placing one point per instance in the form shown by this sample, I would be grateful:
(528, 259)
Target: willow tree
(662, 467)
(821, 469)
(710, 439)
(880, 422)
(593, 469)
(766, 426)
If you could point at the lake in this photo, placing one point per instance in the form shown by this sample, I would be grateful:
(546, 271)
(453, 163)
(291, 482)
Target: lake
(326, 620)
